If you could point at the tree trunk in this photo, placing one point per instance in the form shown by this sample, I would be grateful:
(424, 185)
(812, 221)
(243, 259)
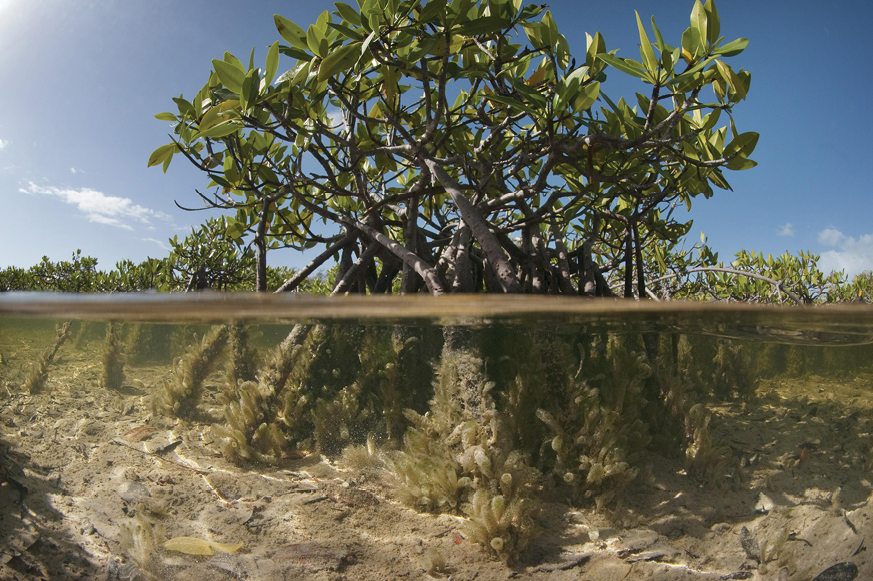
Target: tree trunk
(641, 280)
(261, 246)
(463, 282)
(302, 274)
(344, 265)
(479, 227)
(355, 271)
(409, 282)
(587, 283)
(261, 272)
(628, 266)
(563, 263)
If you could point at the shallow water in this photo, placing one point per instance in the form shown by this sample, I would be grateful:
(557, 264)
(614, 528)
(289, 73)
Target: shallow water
(417, 437)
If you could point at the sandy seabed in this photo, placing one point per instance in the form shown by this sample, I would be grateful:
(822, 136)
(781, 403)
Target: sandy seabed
(95, 484)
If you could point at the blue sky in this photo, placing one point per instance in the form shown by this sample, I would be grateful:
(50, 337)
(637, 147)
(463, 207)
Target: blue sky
(82, 80)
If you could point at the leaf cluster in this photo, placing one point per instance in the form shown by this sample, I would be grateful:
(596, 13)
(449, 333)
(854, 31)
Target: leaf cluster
(459, 145)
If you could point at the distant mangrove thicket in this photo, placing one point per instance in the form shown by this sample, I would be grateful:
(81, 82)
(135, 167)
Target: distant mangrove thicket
(752, 277)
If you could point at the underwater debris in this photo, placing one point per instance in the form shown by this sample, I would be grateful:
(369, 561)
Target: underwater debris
(750, 545)
(179, 397)
(38, 375)
(846, 571)
(113, 357)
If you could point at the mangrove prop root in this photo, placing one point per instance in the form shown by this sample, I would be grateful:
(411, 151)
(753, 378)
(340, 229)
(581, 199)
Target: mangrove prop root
(38, 375)
(179, 396)
(113, 357)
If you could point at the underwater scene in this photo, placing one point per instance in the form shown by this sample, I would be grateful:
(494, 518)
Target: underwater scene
(219, 437)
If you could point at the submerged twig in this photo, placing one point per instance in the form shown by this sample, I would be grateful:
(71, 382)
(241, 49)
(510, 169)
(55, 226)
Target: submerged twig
(156, 456)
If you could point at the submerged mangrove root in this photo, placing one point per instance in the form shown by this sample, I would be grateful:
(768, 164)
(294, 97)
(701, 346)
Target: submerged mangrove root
(113, 357)
(597, 435)
(321, 390)
(134, 343)
(38, 375)
(241, 364)
(461, 457)
(179, 397)
(256, 412)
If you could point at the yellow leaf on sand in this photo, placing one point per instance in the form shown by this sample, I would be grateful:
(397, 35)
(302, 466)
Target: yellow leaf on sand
(192, 546)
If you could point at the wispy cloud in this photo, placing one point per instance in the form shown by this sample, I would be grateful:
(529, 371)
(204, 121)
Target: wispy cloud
(74, 170)
(100, 208)
(3, 143)
(786, 230)
(160, 243)
(854, 255)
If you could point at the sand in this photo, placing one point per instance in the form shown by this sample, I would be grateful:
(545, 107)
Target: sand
(87, 469)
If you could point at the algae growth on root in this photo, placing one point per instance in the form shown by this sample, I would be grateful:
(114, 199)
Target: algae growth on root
(258, 411)
(179, 396)
(461, 457)
(113, 357)
(38, 375)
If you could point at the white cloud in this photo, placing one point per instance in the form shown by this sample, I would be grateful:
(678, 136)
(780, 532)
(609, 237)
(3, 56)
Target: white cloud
(3, 143)
(830, 237)
(786, 230)
(160, 243)
(335, 117)
(854, 255)
(100, 208)
(72, 170)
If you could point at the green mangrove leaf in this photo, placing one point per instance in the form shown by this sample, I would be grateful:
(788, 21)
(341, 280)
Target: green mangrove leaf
(713, 24)
(484, 25)
(272, 63)
(348, 13)
(515, 104)
(338, 60)
(743, 144)
(646, 51)
(619, 63)
(230, 76)
(221, 130)
(163, 152)
(732, 48)
(586, 97)
(293, 34)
